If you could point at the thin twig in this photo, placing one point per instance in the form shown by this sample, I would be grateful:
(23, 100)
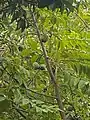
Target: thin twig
(87, 26)
(40, 93)
(19, 111)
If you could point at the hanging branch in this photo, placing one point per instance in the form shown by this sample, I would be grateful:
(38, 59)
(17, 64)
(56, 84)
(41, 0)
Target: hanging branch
(58, 96)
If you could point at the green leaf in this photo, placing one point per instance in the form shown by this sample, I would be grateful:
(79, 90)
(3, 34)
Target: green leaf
(4, 106)
(25, 101)
(2, 97)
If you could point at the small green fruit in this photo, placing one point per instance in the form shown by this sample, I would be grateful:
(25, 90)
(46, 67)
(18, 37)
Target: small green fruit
(44, 38)
(35, 65)
(42, 67)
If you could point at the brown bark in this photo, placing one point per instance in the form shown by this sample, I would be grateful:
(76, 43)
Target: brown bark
(52, 76)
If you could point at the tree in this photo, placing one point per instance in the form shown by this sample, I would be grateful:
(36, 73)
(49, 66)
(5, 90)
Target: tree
(24, 76)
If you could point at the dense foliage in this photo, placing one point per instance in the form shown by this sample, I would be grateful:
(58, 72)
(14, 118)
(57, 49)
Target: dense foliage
(26, 88)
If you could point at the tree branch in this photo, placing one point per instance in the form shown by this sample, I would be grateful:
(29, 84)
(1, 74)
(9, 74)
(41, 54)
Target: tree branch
(58, 96)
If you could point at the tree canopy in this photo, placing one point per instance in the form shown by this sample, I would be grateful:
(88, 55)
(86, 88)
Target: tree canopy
(44, 60)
